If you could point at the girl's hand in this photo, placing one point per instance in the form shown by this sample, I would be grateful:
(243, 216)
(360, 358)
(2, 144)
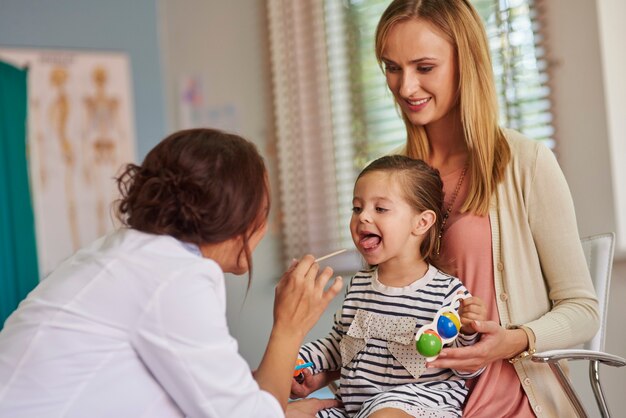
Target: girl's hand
(301, 297)
(496, 343)
(311, 383)
(471, 309)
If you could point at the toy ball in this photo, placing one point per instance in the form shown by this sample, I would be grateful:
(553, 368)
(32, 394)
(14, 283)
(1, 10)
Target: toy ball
(429, 344)
(448, 325)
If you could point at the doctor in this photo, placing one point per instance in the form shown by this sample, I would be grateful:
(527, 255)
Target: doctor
(135, 324)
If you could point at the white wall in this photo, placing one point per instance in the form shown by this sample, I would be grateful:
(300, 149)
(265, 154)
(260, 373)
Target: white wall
(227, 43)
(585, 47)
(611, 16)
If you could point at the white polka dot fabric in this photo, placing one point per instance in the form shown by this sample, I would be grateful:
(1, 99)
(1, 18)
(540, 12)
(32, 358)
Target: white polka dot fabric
(399, 332)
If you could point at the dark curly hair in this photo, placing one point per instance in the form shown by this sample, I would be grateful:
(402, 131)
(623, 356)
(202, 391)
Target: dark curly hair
(423, 190)
(202, 186)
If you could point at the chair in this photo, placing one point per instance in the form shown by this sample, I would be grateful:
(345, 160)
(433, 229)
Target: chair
(599, 254)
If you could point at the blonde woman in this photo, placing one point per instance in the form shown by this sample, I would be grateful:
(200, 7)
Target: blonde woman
(510, 226)
(510, 229)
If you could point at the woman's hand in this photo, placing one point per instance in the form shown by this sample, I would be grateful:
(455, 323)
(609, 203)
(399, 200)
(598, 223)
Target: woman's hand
(300, 296)
(311, 383)
(471, 309)
(307, 408)
(496, 343)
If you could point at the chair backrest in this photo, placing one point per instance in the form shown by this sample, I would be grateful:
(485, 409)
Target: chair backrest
(599, 251)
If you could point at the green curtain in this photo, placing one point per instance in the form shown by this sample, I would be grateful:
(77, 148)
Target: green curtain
(18, 250)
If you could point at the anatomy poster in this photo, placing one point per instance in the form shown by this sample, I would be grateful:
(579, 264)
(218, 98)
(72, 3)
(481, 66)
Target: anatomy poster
(80, 134)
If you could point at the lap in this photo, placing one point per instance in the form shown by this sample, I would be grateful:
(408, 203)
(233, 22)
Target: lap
(390, 413)
(431, 399)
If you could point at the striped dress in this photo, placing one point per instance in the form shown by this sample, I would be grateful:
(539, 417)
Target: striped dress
(373, 343)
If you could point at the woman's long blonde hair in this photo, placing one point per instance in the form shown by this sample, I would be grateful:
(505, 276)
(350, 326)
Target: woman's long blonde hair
(489, 151)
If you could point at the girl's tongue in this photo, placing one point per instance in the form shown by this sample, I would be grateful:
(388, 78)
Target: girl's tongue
(370, 241)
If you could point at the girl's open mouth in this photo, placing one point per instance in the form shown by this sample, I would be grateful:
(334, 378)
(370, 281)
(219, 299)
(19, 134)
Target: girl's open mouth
(370, 241)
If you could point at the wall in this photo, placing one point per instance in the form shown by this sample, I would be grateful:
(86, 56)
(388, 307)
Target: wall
(581, 48)
(611, 16)
(113, 25)
(224, 44)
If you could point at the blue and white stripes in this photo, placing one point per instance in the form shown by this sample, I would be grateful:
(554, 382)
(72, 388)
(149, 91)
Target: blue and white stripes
(378, 374)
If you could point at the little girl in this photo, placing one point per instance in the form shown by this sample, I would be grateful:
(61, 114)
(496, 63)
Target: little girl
(396, 225)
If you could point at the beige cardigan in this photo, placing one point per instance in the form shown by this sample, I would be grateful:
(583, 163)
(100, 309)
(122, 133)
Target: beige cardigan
(541, 277)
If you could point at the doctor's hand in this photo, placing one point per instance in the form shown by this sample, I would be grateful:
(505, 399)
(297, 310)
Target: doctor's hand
(302, 296)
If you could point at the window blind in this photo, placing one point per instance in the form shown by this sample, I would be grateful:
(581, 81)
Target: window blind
(520, 67)
(334, 111)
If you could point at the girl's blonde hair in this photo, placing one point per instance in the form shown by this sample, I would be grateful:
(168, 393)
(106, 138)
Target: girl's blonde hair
(489, 151)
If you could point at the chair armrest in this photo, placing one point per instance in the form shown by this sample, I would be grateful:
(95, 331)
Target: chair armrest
(553, 356)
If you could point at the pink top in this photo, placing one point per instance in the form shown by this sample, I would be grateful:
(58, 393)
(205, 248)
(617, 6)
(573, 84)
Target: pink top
(466, 247)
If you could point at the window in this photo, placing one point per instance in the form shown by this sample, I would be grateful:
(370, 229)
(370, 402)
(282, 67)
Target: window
(334, 112)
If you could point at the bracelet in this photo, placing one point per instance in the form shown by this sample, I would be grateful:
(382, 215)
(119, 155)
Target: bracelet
(531, 344)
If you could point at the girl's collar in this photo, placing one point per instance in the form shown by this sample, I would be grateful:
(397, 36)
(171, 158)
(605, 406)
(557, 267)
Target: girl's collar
(417, 284)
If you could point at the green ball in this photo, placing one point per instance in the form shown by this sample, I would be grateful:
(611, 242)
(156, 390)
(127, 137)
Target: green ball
(429, 344)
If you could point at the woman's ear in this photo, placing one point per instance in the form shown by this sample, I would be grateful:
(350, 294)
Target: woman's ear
(423, 222)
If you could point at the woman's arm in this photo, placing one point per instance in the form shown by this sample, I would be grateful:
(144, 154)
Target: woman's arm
(325, 354)
(183, 339)
(300, 301)
(573, 316)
